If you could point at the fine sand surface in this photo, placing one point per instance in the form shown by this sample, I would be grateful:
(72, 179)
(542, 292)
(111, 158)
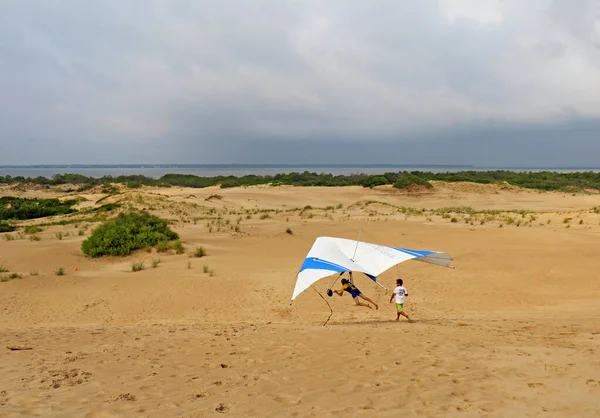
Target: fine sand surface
(514, 330)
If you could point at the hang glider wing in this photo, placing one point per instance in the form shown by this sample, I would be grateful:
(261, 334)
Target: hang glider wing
(330, 255)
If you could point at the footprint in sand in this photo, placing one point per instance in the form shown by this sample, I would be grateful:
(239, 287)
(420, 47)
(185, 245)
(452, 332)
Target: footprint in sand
(222, 408)
(125, 397)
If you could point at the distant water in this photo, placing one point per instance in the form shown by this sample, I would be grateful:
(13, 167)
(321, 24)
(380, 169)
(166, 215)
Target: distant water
(211, 170)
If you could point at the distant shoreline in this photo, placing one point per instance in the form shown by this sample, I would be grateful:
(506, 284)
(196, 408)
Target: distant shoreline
(287, 166)
(225, 170)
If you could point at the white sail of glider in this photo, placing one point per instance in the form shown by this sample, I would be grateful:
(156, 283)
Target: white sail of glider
(330, 255)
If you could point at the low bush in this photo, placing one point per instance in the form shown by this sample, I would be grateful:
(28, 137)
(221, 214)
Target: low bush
(6, 227)
(22, 208)
(127, 233)
(406, 180)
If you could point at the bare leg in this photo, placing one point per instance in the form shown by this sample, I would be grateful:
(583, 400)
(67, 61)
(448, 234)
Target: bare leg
(405, 315)
(368, 300)
(358, 303)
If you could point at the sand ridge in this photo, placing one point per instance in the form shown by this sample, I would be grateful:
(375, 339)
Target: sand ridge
(512, 330)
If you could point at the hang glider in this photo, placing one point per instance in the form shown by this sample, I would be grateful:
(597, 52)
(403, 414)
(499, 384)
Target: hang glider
(330, 255)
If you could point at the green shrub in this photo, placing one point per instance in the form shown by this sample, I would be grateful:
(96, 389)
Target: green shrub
(155, 263)
(59, 235)
(6, 227)
(406, 180)
(3, 269)
(34, 238)
(60, 271)
(205, 269)
(127, 233)
(22, 208)
(199, 252)
(133, 184)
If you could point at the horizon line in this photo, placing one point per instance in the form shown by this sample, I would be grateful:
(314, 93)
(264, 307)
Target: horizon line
(300, 165)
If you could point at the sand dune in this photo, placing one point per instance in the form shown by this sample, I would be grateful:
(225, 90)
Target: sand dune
(512, 331)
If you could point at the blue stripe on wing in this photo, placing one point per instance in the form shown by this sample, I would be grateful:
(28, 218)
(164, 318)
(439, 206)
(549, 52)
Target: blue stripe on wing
(320, 264)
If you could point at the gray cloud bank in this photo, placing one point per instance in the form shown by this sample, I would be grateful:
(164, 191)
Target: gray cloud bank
(476, 82)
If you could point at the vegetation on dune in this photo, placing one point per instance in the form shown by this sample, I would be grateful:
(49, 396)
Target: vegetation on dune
(406, 180)
(6, 227)
(544, 180)
(19, 208)
(126, 233)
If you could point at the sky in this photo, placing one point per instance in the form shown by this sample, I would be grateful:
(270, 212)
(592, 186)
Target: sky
(483, 82)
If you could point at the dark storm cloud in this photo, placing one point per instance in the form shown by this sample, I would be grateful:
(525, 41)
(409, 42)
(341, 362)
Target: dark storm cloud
(456, 81)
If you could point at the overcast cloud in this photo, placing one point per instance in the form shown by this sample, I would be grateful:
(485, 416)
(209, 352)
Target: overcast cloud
(384, 81)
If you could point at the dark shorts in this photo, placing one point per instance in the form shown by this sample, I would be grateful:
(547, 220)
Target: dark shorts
(355, 293)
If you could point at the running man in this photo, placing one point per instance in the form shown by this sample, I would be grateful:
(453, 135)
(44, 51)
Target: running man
(400, 292)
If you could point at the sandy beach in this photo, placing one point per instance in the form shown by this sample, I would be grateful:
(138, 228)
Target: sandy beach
(513, 330)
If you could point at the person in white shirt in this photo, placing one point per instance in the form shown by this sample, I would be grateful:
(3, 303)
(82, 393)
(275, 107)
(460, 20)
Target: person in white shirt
(400, 293)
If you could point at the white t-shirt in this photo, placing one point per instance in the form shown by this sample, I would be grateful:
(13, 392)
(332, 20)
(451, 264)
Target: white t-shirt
(400, 292)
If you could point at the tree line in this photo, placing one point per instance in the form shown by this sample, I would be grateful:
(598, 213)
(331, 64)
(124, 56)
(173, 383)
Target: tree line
(543, 180)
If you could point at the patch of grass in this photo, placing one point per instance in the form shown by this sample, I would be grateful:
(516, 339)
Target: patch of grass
(567, 220)
(4, 269)
(32, 229)
(155, 263)
(11, 276)
(59, 235)
(107, 207)
(265, 216)
(211, 272)
(205, 269)
(127, 233)
(162, 247)
(72, 221)
(454, 220)
(189, 265)
(81, 232)
(137, 266)
(199, 252)
(289, 231)
(34, 238)
(33, 273)
(60, 271)
(8, 237)
(178, 247)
